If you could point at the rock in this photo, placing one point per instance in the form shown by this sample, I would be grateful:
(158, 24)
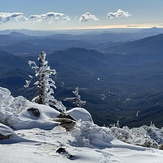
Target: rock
(62, 151)
(66, 121)
(161, 147)
(4, 137)
(34, 112)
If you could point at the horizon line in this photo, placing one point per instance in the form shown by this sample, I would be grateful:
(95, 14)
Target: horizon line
(104, 27)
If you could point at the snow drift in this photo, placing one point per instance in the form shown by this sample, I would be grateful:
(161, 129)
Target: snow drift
(16, 114)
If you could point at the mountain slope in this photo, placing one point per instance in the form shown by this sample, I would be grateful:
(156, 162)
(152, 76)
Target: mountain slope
(13, 71)
(115, 86)
(149, 45)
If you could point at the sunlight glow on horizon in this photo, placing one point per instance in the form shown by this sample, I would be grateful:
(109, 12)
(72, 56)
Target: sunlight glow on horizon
(125, 26)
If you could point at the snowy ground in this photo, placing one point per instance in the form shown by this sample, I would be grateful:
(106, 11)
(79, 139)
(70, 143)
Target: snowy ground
(42, 145)
(36, 139)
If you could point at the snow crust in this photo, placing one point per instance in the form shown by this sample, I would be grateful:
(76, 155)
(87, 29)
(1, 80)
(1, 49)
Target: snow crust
(99, 146)
(30, 141)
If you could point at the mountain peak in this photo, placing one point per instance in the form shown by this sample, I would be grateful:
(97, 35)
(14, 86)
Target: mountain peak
(17, 34)
(152, 30)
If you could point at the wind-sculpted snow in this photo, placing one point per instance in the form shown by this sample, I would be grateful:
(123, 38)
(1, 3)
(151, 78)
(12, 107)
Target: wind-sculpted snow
(147, 136)
(6, 100)
(87, 134)
(5, 97)
(91, 135)
(8, 136)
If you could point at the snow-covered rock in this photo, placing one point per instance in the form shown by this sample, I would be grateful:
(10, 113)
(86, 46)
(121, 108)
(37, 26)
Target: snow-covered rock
(5, 130)
(15, 112)
(45, 111)
(27, 120)
(80, 114)
(7, 135)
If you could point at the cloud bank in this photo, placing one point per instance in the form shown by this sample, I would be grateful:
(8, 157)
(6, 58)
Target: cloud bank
(88, 17)
(118, 14)
(50, 17)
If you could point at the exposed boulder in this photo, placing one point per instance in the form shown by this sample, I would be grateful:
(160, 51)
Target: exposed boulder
(4, 137)
(34, 111)
(62, 151)
(66, 121)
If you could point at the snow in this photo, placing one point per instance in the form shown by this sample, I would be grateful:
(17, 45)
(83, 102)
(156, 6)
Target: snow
(145, 135)
(80, 114)
(37, 138)
(44, 144)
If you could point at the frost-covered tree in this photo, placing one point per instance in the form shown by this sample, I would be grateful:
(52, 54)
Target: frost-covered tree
(45, 84)
(77, 99)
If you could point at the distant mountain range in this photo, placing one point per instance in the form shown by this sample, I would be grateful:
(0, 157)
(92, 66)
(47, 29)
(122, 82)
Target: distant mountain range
(20, 43)
(124, 83)
(81, 32)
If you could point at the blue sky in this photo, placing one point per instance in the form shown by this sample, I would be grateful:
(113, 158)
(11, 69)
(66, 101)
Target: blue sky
(80, 14)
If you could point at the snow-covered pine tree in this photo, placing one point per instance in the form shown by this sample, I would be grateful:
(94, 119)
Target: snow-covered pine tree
(44, 83)
(77, 99)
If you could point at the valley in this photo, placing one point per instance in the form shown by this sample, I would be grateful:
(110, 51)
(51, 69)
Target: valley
(120, 80)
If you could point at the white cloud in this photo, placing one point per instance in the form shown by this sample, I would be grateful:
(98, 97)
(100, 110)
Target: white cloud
(50, 16)
(6, 17)
(118, 14)
(88, 17)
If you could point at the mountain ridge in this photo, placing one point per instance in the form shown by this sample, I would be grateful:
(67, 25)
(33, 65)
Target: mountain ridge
(148, 45)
